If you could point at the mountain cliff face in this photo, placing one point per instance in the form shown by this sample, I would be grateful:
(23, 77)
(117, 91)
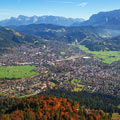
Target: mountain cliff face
(105, 19)
(24, 20)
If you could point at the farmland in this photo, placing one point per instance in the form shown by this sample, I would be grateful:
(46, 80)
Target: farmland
(15, 72)
(103, 56)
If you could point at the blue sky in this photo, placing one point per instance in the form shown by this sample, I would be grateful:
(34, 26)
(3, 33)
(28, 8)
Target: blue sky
(67, 8)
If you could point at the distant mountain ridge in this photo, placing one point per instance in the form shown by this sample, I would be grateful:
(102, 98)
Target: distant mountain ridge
(100, 32)
(109, 19)
(58, 33)
(94, 38)
(24, 20)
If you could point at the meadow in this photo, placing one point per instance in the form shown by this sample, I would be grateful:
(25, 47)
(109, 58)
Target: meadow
(16, 72)
(103, 56)
(62, 53)
(53, 84)
(75, 81)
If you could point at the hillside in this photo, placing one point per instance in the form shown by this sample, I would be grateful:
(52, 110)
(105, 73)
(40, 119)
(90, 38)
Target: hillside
(94, 38)
(9, 39)
(47, 108)
(59, 33)
(25, 20)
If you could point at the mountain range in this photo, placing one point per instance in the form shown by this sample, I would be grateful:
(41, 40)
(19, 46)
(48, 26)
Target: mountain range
(101, 31)
(24, 20)
(109, 19)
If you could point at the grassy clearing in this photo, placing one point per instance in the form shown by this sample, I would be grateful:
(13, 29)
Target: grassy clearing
(77, 89)
(26, 96)
(62, 53)
(1, 93)
(118, 106)
(89, 87)
(53, 84)
(16, 72)
(46, 40)
(75, 81)
(104, 56)
(80, 85)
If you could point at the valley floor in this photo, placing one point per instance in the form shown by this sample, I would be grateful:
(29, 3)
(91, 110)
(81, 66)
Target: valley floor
(58, 66)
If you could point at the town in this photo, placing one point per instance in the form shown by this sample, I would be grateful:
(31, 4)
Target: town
(58, 66)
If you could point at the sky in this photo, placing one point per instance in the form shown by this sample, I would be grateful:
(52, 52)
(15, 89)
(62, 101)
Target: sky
(66, 8)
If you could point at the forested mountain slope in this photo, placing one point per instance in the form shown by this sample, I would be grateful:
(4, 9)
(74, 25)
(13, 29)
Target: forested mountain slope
(94, 38)
(47, 108)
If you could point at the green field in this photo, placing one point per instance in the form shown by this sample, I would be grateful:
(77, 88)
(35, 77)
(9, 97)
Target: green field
(26, 95)
(16, 72)
(77, 89)
(1, 93)
(62, 53)
(75, 81)
(118, 106)
(104, 56)
(53, 84)
(89, 87)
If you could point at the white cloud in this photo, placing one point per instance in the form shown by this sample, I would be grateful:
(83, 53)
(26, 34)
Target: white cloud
(83, 4)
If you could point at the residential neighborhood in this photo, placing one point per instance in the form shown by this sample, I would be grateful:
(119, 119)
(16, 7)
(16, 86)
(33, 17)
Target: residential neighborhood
(58, 67)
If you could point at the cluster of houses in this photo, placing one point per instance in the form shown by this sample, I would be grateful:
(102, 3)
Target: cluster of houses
(58, 71)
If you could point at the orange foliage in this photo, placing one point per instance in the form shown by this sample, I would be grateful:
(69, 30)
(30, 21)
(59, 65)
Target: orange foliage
(39, 108)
